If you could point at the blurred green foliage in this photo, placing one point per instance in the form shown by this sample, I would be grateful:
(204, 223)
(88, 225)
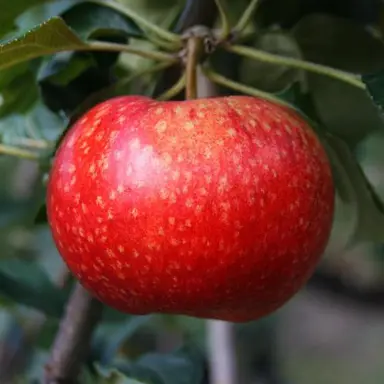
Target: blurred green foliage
(39, 96)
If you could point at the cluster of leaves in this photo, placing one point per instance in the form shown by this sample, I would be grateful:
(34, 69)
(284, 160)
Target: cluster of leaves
(46, 73)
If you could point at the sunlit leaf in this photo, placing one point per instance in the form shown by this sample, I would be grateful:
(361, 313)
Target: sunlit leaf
(50, 37)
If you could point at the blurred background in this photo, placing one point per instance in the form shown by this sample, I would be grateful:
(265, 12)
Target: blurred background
(332, 332)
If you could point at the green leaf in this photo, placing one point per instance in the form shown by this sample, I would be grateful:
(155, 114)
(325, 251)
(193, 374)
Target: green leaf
(10, 10)
(110, 336)
(48, 334)
(38, 124)
(65, 67)
(41, 217)
(356, 191)
(164, 13)
(193, 329)
(375, 87)
(87, 19)
(339, 43)
(113, 376)
(26, 283)
(20, 91)
(271, 78)
(16, 212)
(10, 74)
(71, 77)
(114, 316)
(93, 20)
(344, 111)
(43, 11)
(185, 366)
(370, 155)
(49, 37)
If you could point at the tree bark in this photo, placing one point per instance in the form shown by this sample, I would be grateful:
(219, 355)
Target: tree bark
(73, 339)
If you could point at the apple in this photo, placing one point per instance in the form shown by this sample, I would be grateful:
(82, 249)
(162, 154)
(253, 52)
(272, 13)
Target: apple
(214, 208)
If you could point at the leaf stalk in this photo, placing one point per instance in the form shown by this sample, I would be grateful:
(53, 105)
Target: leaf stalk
(17, 152)
(246, 17)
(256, 54)
(225, 26)
(239, 87)
(96, 45)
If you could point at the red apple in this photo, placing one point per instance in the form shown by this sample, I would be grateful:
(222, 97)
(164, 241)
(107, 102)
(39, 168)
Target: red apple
(215, 208)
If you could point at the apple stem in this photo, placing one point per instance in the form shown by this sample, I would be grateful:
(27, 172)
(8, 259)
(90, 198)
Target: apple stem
(143, 22)
(195, 48)
(256, 54)
(225, 26)
(246, 17)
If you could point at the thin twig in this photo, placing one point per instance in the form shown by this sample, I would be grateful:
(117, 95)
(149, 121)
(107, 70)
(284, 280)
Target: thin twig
(18, 152)
(115, 47)
(194, 51)
(272, 58)
(63, 278)
(33, 143)
(72, 341)
(246, 16)
(101, 46)
(225, 26)
(239, 87)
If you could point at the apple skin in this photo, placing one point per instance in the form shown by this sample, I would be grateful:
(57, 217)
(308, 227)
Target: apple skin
(215, 208)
